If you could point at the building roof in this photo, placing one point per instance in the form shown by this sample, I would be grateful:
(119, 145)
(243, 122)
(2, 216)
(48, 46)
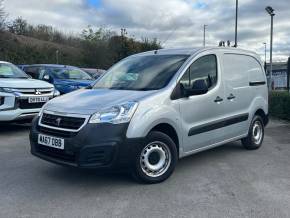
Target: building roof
(278, 66)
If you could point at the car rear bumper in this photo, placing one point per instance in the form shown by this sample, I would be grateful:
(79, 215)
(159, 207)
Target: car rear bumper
(97, 146)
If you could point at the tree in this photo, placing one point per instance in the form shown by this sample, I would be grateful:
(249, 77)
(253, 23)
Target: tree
(19, 26)
(96, 48)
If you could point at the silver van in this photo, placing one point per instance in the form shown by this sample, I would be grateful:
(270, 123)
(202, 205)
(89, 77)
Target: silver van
(153, 108)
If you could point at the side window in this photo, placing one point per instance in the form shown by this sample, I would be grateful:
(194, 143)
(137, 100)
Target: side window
(203, 68)
(185, 80)
(41, 73)
(32, 71)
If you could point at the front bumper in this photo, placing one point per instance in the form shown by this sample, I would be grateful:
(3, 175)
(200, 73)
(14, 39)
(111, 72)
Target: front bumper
(102, 146)
(18, 114)
(15, 107)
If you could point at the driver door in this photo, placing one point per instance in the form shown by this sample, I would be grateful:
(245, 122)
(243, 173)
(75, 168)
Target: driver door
(201, 115)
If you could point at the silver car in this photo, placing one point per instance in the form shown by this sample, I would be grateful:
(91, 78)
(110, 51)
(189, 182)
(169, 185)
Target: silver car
(21, 97)
(153, 108)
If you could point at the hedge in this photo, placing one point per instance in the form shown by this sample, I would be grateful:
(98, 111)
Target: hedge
(279, 105)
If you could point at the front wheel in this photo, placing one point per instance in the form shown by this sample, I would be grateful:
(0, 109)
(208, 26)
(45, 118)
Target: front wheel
(255, 136)
(156, 159)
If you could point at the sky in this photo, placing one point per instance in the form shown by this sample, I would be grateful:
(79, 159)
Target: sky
(175, 23)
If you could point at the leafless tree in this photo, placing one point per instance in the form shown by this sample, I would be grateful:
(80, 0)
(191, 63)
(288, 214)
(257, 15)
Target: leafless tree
(2, 15)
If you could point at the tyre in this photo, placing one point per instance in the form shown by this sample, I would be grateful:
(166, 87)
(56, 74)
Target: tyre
(155, 160)
(255, 136)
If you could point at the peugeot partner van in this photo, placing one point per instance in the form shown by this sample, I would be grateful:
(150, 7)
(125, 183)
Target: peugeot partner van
(153, 108)
(21, 97)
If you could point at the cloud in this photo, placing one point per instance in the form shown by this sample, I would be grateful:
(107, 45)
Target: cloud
(182, 20)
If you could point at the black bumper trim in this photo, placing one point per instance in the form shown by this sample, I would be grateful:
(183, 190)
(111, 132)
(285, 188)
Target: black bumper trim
(94, 147)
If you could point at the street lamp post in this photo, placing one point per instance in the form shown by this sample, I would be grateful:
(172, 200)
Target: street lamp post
(204, 28)
(265, 44)
(236, 26)
(57, 56)
(270, 11)
(265, 65)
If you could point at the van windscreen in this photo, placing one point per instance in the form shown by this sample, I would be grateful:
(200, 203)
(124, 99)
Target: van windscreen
(150, 72)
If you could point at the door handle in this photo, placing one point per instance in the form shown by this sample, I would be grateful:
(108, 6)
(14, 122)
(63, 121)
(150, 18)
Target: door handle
(218, 99)
(231, 97)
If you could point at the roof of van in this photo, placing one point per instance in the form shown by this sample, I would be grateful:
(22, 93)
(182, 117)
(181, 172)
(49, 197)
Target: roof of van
(191, 51)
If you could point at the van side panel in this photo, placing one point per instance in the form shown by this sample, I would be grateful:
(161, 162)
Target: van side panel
(258, 86)
(241, 98)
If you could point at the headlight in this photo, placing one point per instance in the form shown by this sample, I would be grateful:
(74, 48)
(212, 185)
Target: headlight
(115, 115)
(56, 93)
(42, 109)
(40, 112)
(8, 90)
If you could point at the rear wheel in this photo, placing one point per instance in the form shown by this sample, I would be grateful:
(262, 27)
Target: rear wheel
(255, 136)
(156, 159)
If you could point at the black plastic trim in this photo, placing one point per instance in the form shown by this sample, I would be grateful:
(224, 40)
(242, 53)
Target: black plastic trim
(96, 146)
(2, 98)
(218, 124)
(260, 83)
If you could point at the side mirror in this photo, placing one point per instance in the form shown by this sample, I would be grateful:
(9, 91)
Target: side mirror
(47, 78)
(199, 87)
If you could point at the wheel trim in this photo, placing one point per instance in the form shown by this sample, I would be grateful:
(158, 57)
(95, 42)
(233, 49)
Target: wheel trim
(257, 132)
(164, 159)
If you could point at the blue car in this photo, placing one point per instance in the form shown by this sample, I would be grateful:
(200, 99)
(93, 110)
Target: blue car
(22, 66)
(65, 78)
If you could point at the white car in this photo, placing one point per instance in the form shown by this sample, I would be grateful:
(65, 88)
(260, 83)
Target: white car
(21, 97)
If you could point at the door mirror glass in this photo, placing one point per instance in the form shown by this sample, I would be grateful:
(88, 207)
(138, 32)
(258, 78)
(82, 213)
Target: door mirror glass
(47, 78)
(199, 87)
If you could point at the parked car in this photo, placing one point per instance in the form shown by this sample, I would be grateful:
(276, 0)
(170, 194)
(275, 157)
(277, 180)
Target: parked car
(21, 66)
(95, 73)
(21, 97)
(153, 108)
(65, 78)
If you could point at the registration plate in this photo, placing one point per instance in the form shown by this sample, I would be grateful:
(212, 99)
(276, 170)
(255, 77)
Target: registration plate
(33, 100)
(51, 141)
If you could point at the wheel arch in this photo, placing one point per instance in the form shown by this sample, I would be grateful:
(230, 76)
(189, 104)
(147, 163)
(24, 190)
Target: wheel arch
(259, 106)
(168, 130)
(263, 115)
